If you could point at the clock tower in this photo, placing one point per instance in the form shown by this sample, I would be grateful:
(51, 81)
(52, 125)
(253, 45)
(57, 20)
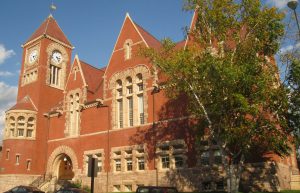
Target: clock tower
(45, 66)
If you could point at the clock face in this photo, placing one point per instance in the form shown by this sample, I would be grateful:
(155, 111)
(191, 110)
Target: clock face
(56, 57)
(33, 56)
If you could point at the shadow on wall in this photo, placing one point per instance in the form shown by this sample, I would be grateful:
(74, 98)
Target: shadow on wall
(194, 176)
(260, 177)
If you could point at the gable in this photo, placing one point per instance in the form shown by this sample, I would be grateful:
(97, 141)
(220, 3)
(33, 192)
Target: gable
(50, 28)
(128, 31)
(75, 78)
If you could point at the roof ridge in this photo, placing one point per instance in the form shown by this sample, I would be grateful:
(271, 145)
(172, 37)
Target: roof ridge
(89, 64)
(46, 28)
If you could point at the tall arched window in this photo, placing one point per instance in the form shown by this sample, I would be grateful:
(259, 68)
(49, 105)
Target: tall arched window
(12, 125)
(30, 127)
(21, 126)
(74, 112)
(55, 68)
(119, 98)
(129, 96)
(140, 97)
(127, 49)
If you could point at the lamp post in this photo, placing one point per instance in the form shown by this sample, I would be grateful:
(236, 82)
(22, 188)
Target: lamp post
(293, 5)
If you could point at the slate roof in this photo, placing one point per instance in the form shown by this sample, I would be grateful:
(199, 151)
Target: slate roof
(93, 78)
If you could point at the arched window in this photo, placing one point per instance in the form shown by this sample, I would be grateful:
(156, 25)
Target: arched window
(20, 126)
(74, 113)
(30, 127)
(55, 68)
(127, 49)
(140, 97)
(129, 100)
(119, 98)
(12, 125)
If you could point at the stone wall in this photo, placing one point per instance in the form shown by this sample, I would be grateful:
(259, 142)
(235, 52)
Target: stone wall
(269, 176)
(186, 180)
(9, 181)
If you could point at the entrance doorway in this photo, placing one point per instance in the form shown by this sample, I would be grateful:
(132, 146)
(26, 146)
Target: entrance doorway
(64, 167)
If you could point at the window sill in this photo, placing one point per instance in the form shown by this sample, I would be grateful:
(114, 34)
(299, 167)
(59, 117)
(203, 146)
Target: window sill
(55, 86)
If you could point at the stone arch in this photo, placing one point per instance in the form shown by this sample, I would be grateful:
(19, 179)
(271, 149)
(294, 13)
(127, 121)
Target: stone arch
(132, 71)
(122, 76)
(57, 153)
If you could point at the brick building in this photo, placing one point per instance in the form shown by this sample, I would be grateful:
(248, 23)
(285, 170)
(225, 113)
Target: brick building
(67, 111)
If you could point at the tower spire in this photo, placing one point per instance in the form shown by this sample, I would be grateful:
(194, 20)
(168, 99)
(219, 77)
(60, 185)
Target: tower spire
(52, 8)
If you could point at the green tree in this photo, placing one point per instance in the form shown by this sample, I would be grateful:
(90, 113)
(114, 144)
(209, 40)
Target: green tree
(230, 79)
(292, 82)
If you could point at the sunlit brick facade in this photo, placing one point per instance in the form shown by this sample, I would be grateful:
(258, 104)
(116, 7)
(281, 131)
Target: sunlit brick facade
(67, 111)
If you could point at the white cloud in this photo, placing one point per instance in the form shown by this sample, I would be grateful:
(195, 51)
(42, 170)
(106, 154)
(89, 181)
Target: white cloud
(5, 73)
(5, 54)
(278, 3)
(289, 48)
(7, 100)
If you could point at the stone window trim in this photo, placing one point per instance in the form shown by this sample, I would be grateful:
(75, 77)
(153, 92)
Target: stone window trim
(210, 151)
(93, 153)
(29, 76)
(7, 154)
(11, 124)
(127, 46)
(67, 105)
(121, 153)
(63, 65)
(113, 85)
(28, 164)
(117, 188)
(127, 186)
(18, 158)
(28, 51)
(171, 149)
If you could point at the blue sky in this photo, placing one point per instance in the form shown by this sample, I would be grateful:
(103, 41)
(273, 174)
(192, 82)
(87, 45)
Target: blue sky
(92, 26)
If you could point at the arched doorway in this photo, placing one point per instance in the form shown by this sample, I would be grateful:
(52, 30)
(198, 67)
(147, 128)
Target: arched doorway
(62, 164)
(63, 167)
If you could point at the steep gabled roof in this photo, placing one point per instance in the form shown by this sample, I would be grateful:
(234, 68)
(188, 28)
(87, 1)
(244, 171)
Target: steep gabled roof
(24, 104)
(150, 39)
(92, 75)
(50, 28)
(180, 44)
(192, 27)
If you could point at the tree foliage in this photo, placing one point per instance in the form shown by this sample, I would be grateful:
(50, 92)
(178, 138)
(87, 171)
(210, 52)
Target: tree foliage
(293, 84)
(229, 76)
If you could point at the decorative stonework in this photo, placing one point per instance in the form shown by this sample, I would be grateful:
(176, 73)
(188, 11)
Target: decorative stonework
(122, 76)
(51, 164)
(155, 82)
(29, 76)
(127, 49)
(171, 149)
(16, 120)
(93, 153)
(27, 64)
(63, 65)
(132, 72)
(121, 153)
(72, 124)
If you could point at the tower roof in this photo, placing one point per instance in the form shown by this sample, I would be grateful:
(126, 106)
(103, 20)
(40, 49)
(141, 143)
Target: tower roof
(24, 104)
(51, 29)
